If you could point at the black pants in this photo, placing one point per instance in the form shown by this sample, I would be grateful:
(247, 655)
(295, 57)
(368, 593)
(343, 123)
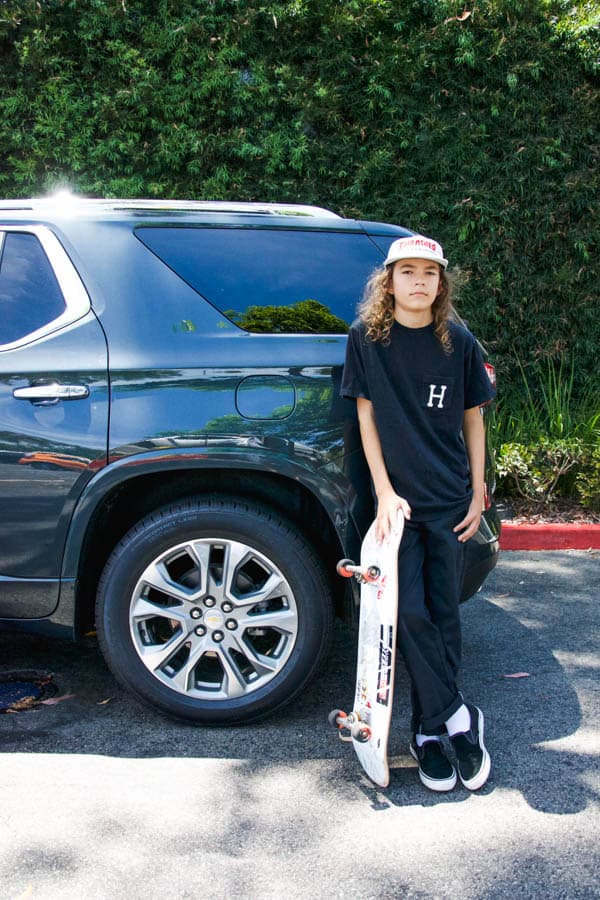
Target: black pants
(430, 567)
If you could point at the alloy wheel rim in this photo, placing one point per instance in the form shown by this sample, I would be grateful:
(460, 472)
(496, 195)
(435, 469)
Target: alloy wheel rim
(213, 619)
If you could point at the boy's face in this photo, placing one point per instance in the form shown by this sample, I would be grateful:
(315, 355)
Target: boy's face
(415, 284)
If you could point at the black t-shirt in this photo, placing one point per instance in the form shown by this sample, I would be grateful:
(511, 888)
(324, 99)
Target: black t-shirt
(419, 394)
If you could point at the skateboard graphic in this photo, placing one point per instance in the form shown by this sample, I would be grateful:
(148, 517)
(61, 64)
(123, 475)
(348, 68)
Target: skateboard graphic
(368, 724)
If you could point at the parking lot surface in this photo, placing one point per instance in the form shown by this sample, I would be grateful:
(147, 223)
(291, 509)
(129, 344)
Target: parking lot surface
(103, 798)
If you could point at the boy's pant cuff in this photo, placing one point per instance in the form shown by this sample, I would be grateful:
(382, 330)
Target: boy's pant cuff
(433, 722)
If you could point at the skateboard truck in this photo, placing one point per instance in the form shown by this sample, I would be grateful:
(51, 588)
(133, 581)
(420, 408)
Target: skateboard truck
(363, 574)
(349, 726)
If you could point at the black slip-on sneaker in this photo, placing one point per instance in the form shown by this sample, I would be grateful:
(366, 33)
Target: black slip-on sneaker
(435, 769)
(472, 758)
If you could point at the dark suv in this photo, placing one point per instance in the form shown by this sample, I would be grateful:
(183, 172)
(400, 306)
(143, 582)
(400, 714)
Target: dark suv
(176, 465)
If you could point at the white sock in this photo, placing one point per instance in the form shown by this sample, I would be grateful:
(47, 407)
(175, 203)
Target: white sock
(421, 738)
(459, 722)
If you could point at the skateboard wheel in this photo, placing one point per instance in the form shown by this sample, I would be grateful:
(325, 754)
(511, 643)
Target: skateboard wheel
(342, 568)
(337, 718)
(372, 573)
(361, 733)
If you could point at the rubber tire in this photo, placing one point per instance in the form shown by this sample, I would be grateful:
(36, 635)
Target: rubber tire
(228, 519)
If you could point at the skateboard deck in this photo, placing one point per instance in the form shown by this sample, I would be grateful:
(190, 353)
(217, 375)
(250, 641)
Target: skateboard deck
(368, 724)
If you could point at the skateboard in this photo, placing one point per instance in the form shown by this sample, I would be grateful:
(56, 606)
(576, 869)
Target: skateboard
(368, 724)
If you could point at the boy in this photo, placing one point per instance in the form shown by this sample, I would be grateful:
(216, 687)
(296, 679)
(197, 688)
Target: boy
(419, 381)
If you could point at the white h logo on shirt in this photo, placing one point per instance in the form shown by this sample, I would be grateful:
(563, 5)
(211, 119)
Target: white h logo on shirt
(437, 395)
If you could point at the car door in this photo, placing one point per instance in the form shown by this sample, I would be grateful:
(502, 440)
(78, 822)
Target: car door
(53, 412)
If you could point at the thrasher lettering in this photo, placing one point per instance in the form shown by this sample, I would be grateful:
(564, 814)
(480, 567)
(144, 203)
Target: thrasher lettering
(420, 242)
(435, 394)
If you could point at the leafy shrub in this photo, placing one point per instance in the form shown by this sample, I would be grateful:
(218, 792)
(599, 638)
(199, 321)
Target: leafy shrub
(587, 481)
(538, 471)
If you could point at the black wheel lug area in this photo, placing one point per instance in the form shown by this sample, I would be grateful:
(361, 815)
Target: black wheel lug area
(227, 607)
(217, 636)
(209, 602)
(231, 624)
(195, 613)
(200, 630)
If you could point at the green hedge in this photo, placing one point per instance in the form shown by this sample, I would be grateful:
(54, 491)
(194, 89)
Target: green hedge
(476, 124)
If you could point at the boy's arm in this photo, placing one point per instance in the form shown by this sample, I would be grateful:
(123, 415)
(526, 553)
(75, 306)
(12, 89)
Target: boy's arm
(474, 435)
(388, 502)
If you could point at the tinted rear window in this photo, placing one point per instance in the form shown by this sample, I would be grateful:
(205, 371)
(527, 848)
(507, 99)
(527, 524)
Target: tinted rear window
(29, 293)
(274, 281)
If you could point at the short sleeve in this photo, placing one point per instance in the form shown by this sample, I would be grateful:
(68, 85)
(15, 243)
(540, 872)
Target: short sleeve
(478, 387)
(354, 380)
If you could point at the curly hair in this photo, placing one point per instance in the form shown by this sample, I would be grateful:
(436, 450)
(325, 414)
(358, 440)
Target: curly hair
(376, 309)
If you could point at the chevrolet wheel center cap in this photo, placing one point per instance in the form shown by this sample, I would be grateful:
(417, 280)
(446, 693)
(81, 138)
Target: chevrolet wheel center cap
(214, 619)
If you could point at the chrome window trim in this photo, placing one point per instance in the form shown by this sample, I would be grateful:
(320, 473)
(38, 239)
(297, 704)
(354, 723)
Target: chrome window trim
(77, 301)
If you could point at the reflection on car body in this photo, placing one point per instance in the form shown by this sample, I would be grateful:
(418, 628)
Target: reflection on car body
(61, 460)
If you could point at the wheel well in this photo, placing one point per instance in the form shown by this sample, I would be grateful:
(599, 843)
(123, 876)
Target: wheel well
(139, 496)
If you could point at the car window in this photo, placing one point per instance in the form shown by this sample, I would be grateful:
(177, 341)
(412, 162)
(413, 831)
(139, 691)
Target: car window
(267, 280)
(29, 293)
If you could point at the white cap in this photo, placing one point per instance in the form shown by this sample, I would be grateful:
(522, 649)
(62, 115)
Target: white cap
(416, 247)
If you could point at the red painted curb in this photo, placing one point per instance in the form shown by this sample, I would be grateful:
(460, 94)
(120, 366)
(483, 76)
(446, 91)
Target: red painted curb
(550, 536)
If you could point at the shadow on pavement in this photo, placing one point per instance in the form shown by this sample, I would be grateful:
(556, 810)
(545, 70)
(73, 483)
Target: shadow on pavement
(525, 620)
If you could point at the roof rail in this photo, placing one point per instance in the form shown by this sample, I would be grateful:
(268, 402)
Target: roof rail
(66, 200)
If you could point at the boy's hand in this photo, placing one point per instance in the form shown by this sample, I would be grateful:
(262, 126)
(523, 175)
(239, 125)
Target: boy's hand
(470, 523)
(387, 515)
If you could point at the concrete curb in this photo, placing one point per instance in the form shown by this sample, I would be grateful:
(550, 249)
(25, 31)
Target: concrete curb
(549, 536)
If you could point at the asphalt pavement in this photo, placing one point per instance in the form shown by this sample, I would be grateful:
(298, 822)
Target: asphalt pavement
(102, 798)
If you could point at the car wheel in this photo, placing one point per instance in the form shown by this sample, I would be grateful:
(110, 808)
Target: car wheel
(214, 610)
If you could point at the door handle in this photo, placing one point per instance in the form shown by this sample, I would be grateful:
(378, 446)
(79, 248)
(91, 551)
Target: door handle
(48, 394)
